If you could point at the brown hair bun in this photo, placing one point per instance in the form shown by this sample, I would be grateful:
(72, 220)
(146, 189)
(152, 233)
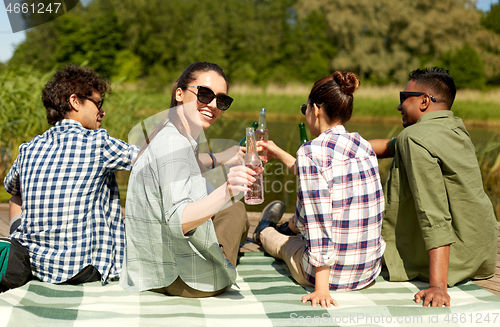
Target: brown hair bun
(347, 81)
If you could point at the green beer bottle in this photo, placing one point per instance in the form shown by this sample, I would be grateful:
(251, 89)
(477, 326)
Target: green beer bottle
(243, 141)
(303, 134)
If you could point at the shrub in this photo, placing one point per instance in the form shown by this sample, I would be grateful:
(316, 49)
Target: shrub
(22, 115)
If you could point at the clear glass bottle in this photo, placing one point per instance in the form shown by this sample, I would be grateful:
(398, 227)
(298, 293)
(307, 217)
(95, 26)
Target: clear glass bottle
(243, 141)
(255, 193)
(261, 133)
(303, 134)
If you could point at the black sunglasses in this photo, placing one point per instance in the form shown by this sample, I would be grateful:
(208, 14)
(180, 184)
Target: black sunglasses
(405, 95)
(205, 95)
(303, 109)
(98, 103)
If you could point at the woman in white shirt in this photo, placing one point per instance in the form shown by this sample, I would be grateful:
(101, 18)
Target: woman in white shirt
(179, 241)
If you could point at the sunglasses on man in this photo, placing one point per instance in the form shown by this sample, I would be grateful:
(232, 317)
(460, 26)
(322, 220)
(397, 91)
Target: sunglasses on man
(405, 95)
(206, 95)
(98, 103)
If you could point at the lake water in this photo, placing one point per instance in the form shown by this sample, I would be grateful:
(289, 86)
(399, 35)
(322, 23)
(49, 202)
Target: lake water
(279, 182)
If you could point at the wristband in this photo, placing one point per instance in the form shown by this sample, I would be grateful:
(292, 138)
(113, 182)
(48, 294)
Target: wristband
(214, 161)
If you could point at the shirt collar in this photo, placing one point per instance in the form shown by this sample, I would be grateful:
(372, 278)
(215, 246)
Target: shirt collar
(68, 122)
(191, 140)
(436, 115)
(339, 129)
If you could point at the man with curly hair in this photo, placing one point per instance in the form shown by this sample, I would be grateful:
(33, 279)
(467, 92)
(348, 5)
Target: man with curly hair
(65, 206)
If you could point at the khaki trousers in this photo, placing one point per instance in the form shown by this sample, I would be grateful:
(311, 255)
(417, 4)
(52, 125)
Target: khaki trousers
(287, 248)
(231, 227)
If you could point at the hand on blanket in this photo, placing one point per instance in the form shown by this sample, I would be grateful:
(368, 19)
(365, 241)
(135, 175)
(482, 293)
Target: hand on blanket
(321, 297)
(436, 295)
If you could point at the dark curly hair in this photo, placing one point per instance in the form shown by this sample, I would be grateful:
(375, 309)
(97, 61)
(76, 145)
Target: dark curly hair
(73, 79)
(439, 81)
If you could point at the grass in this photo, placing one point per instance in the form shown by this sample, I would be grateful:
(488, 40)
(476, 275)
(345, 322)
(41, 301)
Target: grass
(4, 196)
(489, 163)
(369, 101)
(22, 115)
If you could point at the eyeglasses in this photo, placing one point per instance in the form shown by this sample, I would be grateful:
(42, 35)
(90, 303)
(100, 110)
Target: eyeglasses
(405, 95)
(206, 95)
(98, 103)
(303, 109)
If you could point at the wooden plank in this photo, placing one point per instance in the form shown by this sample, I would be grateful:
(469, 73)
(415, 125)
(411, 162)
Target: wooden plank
(4, 219)
(493, 284)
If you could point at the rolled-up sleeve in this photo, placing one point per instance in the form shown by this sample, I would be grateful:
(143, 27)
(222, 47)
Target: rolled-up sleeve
(429, 191)
(117, 154)
(11, 182)
(392, 146)
(316, 213)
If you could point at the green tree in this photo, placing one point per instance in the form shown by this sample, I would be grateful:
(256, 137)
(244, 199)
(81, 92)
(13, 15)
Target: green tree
(492, 19)
(248, 39)
(465, 67)
(127, 66)
(94, 36)
(261, 41)
(382, 40)
(89, 34)
(39, 46)
(310, 47)
(490, 44)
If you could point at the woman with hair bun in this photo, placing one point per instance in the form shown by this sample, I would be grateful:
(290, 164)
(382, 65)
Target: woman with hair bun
(340, 203)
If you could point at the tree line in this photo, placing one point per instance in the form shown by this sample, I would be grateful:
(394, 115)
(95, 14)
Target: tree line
(271, 41)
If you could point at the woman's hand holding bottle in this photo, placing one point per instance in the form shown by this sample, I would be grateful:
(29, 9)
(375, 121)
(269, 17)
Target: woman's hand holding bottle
(274, 151)
(270, 146)
(239, 178)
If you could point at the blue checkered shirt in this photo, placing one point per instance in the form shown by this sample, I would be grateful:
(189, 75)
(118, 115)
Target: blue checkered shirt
(71, 214)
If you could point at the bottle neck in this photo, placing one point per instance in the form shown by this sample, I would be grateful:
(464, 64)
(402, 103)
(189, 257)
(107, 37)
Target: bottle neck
(303, 133)
(251, 155)
(262, 120)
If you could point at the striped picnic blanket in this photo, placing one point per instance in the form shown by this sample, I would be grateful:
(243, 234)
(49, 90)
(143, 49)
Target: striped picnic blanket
(265, 295)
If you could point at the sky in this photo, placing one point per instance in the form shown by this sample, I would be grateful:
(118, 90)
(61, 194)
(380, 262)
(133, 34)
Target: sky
(9, 40)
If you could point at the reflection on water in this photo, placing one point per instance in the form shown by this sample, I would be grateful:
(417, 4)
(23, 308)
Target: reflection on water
(279, 182)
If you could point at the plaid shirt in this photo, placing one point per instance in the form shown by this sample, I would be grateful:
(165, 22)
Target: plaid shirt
(165, 179)
(71, 215)
(340, 206)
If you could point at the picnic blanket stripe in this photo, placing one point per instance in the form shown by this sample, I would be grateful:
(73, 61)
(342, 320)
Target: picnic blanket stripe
(251, 310)
(265, 295)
